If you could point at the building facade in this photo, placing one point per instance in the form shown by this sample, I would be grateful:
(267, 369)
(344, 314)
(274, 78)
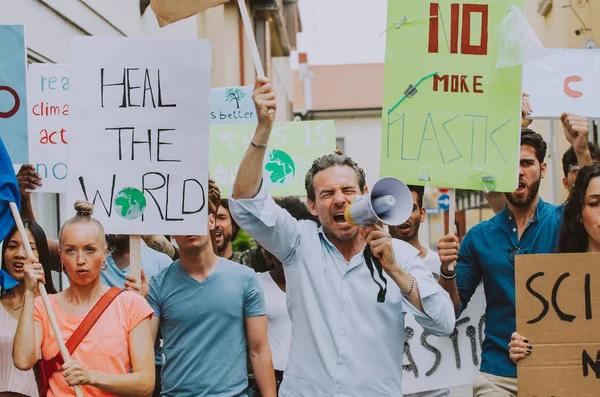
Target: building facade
(51, 24)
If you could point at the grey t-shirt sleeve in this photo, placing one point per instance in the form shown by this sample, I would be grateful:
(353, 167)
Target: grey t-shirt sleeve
(153, 297)
(254, 302)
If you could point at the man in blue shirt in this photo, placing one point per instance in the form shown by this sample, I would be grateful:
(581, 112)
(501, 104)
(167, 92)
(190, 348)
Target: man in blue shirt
(527, 225)
(345, 341)
(208, 310)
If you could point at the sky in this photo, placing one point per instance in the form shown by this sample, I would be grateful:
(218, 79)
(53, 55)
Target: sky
(342, 31)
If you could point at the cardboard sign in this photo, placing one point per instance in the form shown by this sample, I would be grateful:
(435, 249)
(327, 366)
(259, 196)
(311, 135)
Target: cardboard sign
(449, 116)
(169, 11)
(141, 111)
(558, 297)
(48, 99)
(432, 363)
(233, 105)
(292, 148)
(565, 81)
(13, 92)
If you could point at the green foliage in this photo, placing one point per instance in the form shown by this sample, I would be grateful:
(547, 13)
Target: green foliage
(243, 242)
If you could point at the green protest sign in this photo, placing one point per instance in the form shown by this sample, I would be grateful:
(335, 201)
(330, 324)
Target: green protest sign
(292, 148)
(450, 117)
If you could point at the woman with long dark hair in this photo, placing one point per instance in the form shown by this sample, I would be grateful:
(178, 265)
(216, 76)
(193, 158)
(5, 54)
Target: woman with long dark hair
(580, 232)
(14, 258)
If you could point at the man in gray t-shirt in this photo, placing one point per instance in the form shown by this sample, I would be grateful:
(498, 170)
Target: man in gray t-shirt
(208, 309)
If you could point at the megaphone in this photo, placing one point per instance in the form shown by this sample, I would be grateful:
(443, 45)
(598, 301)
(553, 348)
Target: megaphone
(390, 201)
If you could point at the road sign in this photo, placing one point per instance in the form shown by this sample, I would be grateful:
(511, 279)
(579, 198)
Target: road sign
(444, 202)
(443, 190)
(432, 211)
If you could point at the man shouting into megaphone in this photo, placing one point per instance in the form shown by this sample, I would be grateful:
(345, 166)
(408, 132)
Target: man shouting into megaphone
(344, 339)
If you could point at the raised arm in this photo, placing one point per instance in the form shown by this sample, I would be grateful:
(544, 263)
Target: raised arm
(576, 131)
(27, 179)
(249, 176)
(28, 337)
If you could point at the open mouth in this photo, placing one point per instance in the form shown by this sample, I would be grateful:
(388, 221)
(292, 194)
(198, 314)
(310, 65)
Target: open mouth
(404, 228)
(18, 266)
(339, 218)
(521, 187)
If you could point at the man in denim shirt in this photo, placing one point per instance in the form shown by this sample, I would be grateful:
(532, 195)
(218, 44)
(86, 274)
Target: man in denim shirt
(527, 225)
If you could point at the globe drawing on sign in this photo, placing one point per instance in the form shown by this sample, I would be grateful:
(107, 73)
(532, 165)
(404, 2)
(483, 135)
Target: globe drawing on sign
(280, 167)
(130, 203)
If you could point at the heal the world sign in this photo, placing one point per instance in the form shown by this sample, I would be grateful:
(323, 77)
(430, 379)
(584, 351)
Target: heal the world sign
(140, 108)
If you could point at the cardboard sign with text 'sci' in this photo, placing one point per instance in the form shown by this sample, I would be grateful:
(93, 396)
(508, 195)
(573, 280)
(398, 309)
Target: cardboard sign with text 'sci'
(558, 297)
(450, 117)
(141, 111)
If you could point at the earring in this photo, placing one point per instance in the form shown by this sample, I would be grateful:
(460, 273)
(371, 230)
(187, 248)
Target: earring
(64, 270)
(104, 266)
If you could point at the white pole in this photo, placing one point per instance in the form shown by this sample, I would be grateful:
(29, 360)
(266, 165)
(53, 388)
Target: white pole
(451, 221)
(252, 40)
(59, 339)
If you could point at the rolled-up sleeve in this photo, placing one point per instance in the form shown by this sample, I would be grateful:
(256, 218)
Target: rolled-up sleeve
(267, 223)
(438, 318)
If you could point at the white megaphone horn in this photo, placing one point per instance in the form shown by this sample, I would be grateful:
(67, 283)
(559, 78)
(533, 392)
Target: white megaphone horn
(390, 201)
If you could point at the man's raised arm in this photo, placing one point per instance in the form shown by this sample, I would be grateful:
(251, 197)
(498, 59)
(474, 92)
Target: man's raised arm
(249, 176)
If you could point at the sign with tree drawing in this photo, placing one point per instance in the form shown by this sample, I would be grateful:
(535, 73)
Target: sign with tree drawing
(232, 105)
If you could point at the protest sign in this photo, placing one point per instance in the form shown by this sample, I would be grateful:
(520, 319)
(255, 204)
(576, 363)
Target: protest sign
(13, 99)
(564, 81)
(450, 118)
(140, 108)
(292, 148)
(432, 363)
(557, 296)
(232, 105)
(48, 101)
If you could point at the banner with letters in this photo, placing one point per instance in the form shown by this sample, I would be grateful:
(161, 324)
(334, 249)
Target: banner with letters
(450, 117)
(140, 109)
(48, 101)
(557, 299)
(232, 105)
(432, 363)
(48, 94)
(13, 92)
(567, 80)
(292, 148)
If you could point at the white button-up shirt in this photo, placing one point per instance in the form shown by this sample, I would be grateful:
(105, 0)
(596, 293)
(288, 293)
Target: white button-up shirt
(344, 343)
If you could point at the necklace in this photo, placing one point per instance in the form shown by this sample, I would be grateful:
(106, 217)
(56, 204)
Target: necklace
(14, 309)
